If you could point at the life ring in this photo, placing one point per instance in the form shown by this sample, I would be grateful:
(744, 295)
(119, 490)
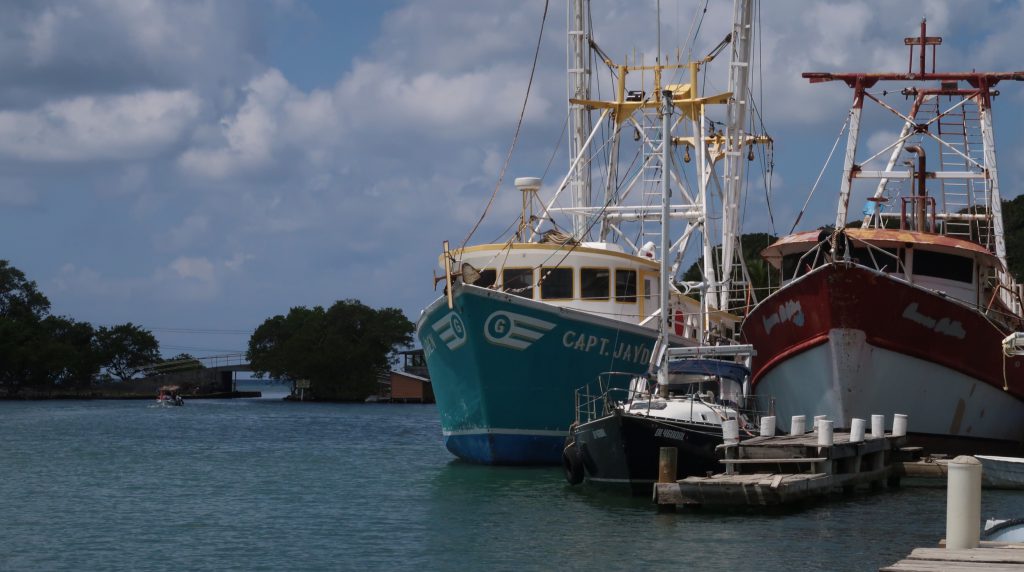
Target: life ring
(572, 465)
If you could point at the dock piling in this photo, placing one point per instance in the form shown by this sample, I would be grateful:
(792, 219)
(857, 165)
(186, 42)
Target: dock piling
(668, 459)
(825, 434)
(899, 425)
(856, 430)
(877, 426)
(963, 503)
(798, 425)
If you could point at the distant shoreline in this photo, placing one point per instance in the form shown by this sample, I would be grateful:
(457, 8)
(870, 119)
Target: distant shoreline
(93, 394)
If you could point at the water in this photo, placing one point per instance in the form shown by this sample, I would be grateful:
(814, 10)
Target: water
(269, 485)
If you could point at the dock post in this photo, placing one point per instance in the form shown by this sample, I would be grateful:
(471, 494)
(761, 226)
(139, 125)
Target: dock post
(877, 426)
(856, 430)
(798, 425)
(899, 425)
(818, 419)
(825, 433)
(668, 459)
(963, 503)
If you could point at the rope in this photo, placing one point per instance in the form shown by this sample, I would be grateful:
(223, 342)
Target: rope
(519, 125)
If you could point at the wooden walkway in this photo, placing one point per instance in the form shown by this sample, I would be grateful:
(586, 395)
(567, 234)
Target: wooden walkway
(990, 556)
(771, 471)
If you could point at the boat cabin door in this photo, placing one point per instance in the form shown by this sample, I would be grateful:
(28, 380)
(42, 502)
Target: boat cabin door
(649, 293)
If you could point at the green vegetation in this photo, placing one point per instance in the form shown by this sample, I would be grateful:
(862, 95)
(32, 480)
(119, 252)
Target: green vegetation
(126, 350)
(39, 350)
(341, 350)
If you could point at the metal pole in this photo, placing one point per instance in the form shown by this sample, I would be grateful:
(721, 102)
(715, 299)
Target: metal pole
(666, 194)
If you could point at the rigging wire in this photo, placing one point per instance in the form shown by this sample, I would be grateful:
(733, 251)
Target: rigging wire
(820, 174)
(767, 156)
(519, 125)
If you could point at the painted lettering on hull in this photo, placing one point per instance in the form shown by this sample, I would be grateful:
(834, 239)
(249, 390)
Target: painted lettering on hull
(942, 325)
(589, 343)
(670, 434)
(787, 312)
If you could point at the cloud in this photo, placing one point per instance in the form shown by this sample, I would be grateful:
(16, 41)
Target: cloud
(91, 128)
(274, 115)
(54, 51)
(191, 230)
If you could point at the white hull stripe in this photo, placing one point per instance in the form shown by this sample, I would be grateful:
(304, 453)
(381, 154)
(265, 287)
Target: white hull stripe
(490, 430)
(621, 481)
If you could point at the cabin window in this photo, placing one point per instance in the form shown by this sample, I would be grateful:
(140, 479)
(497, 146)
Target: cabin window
(625, 285)
(942, 265)
(595, 283)
(884, 258)
(518, 281)
(487, 278)
(556, 283)
(790, 263)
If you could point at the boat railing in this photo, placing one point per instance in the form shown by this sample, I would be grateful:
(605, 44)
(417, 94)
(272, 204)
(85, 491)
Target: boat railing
(598, 399)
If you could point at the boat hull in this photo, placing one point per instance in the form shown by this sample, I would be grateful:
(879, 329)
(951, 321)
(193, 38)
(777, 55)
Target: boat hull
(624, 449)
(1002, 472)
(848, 342)
(504, 371)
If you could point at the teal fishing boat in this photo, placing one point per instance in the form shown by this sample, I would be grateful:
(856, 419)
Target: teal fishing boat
(525, 322)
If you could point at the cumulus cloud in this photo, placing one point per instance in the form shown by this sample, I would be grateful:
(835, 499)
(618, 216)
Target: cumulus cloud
(101, 47)
(89, 128)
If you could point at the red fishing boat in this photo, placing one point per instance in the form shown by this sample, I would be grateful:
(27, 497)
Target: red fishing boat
(903, 310)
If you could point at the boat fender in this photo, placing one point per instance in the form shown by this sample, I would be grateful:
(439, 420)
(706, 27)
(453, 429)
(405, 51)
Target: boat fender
(572, 464)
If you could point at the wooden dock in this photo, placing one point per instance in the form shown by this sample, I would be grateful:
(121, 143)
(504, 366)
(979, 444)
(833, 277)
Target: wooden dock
(772, 471)
(989, 556)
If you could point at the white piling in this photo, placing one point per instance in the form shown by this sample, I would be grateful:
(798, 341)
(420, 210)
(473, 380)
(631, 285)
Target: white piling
(818, 419)
(899, 425)
(877, 426)
(798, 425)
(963, 503)
(825, 433)
(730, 431)
(856, 430)
(768, 426)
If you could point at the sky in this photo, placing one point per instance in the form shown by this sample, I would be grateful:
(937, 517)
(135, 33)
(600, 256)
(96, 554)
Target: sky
(196, 167)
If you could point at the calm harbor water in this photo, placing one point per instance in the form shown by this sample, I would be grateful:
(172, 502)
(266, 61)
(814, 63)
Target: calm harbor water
(262, 484)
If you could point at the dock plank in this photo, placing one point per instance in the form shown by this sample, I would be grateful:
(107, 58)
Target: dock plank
(944, 566)
(993, 555)
(995, 559)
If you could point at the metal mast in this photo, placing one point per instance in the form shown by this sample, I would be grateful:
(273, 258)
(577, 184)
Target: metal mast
(736, 141)
(578, 64)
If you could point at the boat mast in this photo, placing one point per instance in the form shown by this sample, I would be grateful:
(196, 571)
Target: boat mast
(666, 242)
(975, 196)
(736, 141)
(578, 64)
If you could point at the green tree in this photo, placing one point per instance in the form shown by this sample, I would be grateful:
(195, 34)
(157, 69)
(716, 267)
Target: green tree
(341, 350)
(20, 298)
(126, 349)
(67, 355)
(22, 308)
